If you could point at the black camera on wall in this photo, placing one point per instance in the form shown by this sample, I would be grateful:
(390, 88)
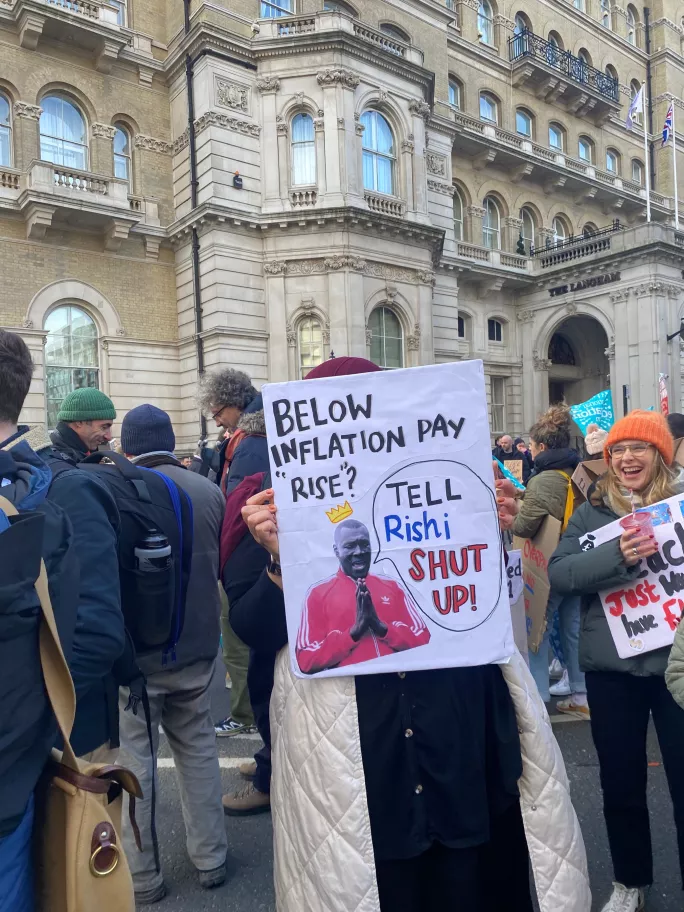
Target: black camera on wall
(237, 181)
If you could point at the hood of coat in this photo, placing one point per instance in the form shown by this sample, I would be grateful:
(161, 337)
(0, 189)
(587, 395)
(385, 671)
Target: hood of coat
(252, 420)
(24, 477)
(562, 458)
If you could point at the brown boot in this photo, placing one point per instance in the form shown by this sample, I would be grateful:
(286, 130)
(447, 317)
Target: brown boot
(248, 770)
(247, 800)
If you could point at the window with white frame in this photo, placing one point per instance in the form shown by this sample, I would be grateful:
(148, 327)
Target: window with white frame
(395, 33)
(274, 9)
(489, 109)
(340, 6)
(560, 231)
(556, 137)
(63, 136)
(589, 230)
(122, 152)
(632, 20)
(586, 149)
(523, 123)
(491, 224)
(495, 331)
(5, 131)
(637, 171)
(387, 340)
(458, 215)
(605, 13)
(612, 161)
(71, 356)
(303, 146)
(497, 390)
(462, 327)
(120, 7)
(378, 153)
(455, 93)
(310, 345)
(527, 229)
(485, 22)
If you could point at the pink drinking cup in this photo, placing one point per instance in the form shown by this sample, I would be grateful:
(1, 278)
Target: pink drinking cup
(641, 520)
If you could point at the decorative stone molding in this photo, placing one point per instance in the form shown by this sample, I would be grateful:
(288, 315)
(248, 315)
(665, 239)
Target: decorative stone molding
(319, 125)
(668, 96)
(120, 331)
(661, 288)
(337, 76)
(383, 95)
(436, 164)
(471, 4)
(290, 335)
(308, 304)
(325, 332)
(408, 146)
(103, 131)
(504, 22)
(540, 364)
(439, 187)
(667, 22)
(268, 84)
(413, 339)
(610, 351)
(510, 221)
(426, 276)
(231, 95)
(359, 128)
(340, 122)
(476, 211)
(369, 335)
(275, 267)
(384, 271)
(526, 316)
(281, 129)
(26, 323)
(150, 144)
(180, 142)
(30, 111)
(419, 107)
(227, 122)
(571, 307)
(616, 297)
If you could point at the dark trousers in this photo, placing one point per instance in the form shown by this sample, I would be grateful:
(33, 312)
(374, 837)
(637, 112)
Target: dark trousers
(260, 684)
(620, 708)
(488, 878)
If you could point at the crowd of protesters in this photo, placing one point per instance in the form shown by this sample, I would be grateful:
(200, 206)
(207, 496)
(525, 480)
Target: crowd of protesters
(440, 789)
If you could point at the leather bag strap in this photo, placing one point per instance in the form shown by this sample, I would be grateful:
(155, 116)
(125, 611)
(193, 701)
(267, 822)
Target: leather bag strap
(58, 682)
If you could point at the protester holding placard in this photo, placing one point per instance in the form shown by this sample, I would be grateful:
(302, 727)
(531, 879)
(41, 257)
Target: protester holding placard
(398, 792)
(624, 692)
(547, 495)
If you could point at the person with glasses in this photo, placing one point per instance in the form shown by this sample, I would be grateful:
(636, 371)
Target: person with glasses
(624, 693)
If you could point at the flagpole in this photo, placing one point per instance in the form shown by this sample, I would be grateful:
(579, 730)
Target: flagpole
(647, 166)
(674, 167)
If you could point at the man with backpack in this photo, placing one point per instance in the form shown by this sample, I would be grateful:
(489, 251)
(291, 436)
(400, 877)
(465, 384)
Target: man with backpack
(178, 680)
(99, 637)
(41, 531)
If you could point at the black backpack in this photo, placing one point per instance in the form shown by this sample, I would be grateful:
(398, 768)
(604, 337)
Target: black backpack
(153, 604)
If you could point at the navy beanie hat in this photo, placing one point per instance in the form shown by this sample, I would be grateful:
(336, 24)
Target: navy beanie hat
(147, 429)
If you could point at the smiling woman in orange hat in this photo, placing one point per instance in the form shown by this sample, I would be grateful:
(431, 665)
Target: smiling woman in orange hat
(623, 693)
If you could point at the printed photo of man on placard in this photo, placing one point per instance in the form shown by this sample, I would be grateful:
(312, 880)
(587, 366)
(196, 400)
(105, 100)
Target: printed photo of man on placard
(355, 616)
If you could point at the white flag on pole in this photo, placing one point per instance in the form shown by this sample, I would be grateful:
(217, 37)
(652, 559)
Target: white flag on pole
(636, 107)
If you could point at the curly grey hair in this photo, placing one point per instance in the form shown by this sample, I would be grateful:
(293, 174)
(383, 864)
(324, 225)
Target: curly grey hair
(228, 387)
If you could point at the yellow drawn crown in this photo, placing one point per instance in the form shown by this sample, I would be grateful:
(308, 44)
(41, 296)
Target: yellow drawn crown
(337, 514)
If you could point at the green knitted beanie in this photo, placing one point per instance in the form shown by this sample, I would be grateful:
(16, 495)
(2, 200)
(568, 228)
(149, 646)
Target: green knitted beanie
(87, 404)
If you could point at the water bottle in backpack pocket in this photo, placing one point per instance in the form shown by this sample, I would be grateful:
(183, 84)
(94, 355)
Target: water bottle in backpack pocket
(153, 579)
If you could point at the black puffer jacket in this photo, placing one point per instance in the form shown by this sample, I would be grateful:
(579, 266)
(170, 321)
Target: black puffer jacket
(251, 454)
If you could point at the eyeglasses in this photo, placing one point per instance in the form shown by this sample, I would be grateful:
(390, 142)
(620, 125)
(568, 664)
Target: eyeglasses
(636, 449)
(216, 414)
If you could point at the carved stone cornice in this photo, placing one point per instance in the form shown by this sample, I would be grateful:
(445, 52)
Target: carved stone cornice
(282, 129)
(103, 131)
(622, 294)
(504, 22)
(426, 276)
(419, 107)
(439, 187)
(436, 164)
(213, 118)
(23, 109)
(319, 125)
(180, 142)
(275, 267)
(290, 335)
(526, 316)
(668, 96)
(662, 288)
(386, 271)
(150, 144)
(233, 95)
(337, 76)
(267, 84)
(408, 146)
(413, 339)
(476, 211)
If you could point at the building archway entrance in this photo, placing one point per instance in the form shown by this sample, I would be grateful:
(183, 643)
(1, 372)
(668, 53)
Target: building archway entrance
(578, 365)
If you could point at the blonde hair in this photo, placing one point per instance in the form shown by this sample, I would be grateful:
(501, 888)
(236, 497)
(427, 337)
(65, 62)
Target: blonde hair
(661, 486)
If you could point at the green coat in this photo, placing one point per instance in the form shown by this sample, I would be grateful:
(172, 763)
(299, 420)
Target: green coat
(586, 573)
(546, 494)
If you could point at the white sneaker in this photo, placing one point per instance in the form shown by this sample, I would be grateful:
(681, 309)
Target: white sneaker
(562, 688)
(555, 669)
(625, 899)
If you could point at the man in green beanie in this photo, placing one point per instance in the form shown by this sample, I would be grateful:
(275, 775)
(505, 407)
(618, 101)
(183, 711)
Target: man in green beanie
(84, 423)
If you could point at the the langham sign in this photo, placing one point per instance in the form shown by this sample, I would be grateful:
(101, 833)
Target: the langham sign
(593, 282)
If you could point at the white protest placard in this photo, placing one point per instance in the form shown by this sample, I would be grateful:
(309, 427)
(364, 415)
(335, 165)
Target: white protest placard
(644, 615)
(389, 535)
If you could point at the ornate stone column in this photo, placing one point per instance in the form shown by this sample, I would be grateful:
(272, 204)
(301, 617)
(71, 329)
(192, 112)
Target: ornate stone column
(26, 134)
(268, 86)
(511, 233)
(102, 149)
(418, 201)
(338, 85)
(277, 320)
(475, 216)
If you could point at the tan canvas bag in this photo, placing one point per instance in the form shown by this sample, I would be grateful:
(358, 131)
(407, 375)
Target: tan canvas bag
(79, 860)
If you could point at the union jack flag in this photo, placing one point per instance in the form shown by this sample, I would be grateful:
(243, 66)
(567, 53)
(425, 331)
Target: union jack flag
(667, 126)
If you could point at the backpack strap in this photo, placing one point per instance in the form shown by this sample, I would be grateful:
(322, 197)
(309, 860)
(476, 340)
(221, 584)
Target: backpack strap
(129, 471)
(569, 500)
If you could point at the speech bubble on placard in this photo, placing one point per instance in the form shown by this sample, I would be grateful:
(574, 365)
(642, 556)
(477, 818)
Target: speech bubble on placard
(432, 519)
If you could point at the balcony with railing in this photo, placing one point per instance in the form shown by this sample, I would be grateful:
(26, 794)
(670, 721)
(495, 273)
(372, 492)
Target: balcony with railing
(560, 77)
(576, 247)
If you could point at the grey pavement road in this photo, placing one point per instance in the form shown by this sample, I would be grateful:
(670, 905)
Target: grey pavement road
(250, 888)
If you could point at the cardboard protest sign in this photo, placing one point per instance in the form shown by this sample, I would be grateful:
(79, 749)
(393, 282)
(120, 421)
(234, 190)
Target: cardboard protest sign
(389, 536)
(644, 615)
(584, 476)
(597, 410)
(515, 467)
(536, 553)
(515, 595)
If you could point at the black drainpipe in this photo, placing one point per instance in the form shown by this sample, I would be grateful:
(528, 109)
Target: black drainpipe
(651, 157)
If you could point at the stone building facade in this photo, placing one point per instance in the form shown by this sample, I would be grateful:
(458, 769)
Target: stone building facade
(262, 183)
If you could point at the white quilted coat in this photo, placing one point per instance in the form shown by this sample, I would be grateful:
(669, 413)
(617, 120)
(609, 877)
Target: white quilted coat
(322, 839)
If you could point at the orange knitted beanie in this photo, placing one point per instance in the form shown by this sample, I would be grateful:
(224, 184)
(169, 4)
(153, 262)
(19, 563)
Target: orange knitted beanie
(650, 427)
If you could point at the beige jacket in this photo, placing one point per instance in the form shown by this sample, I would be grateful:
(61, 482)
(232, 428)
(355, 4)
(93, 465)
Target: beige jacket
(322, 838)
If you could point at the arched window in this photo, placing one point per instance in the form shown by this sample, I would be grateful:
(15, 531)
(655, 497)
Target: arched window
(455, 93)
(489, 109)
(560, 230)
(485, 22)
(339, 6)
(387, 341)
(527, 229)
(491, 224)
(463, 322)
(378, 153)
(585, 148)
(63, 137)
(605, 13)
(589, 230)
(554, 49)
(560, 351)
(495, 330)
(303, 150)
(394, 32)
(584, 56)
(122, 152)
(523, 123)
(274, 9)
(5, 131)
(521, 29)
(458, 214)
(556, 137)
(612, 161)
(632, 22)
(310, 343)
(612, 72)
(637, 171)
(71, 356)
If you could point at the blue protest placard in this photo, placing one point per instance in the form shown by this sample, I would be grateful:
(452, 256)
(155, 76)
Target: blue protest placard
(597, 410)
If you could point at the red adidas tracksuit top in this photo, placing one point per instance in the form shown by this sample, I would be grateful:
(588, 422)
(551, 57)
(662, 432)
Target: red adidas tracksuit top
(329, 614)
